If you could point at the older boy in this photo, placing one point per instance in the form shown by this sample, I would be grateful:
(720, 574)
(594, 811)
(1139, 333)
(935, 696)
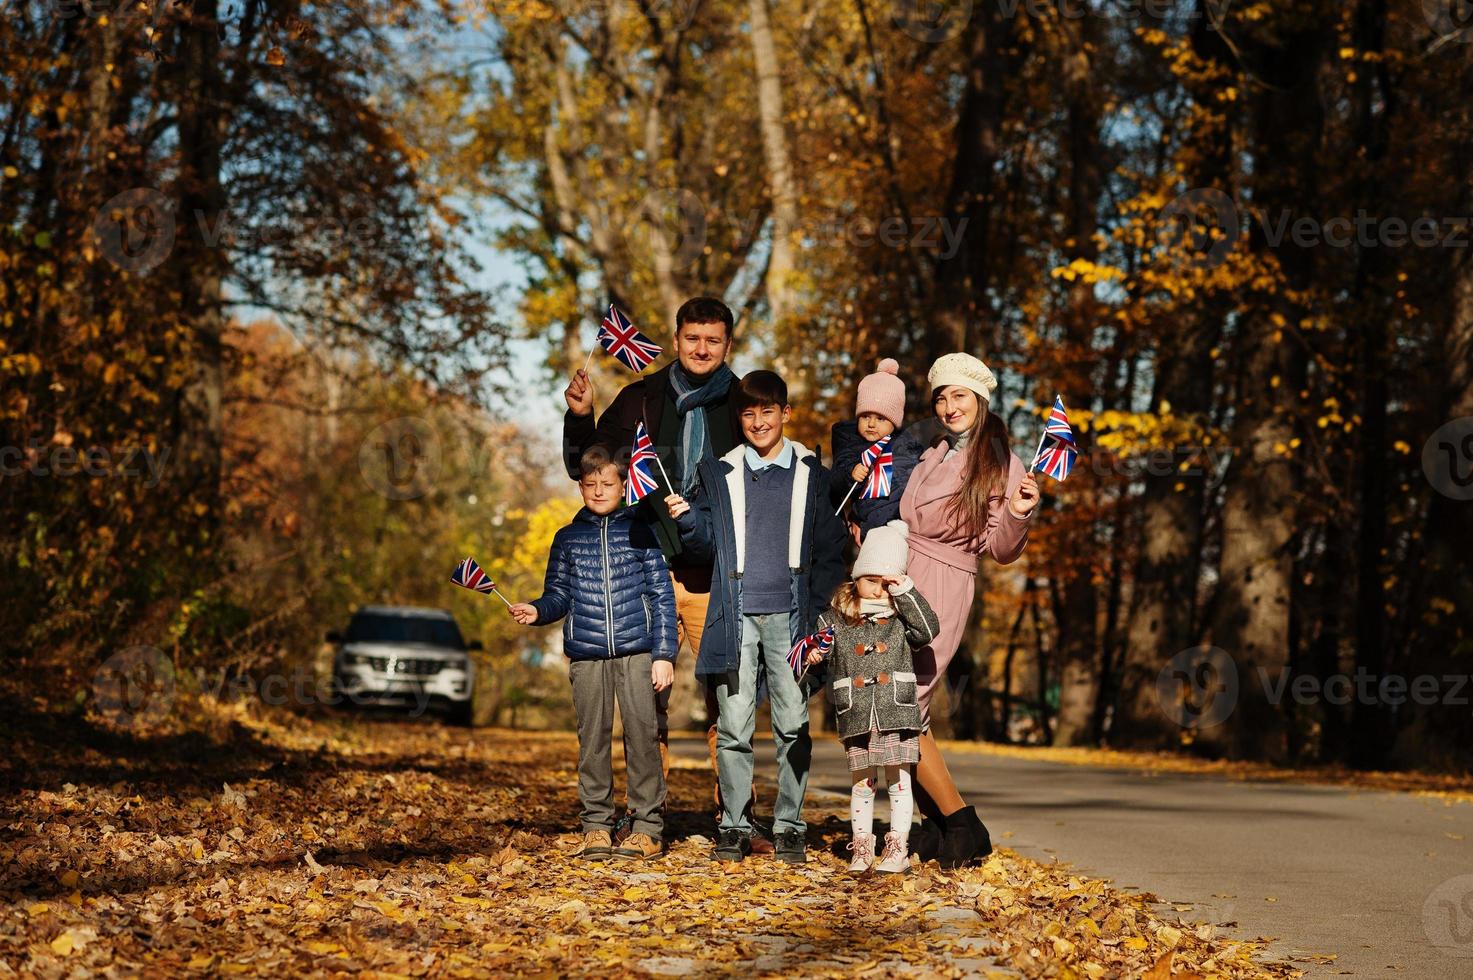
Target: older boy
(606, 575)
(761, 512)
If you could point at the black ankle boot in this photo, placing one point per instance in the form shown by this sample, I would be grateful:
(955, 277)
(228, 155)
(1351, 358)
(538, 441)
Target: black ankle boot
(925, 839)
(965, 840)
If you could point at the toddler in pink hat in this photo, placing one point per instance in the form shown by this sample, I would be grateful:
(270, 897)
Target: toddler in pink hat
(879, 411)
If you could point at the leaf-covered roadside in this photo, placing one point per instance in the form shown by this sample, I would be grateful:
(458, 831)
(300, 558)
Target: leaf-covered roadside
(292, 846)
(1452, 787)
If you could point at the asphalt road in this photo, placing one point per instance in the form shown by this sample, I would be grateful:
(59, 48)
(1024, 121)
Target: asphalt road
(1384, 881)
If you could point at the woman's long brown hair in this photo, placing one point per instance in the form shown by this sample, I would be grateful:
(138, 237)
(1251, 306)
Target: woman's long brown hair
(987, 460)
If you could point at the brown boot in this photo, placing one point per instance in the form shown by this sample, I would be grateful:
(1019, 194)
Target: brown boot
(597, 846)
(641, 846)
(761, 835)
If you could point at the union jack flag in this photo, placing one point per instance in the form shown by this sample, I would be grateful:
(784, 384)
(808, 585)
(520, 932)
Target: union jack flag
(641, 477)
(822, 641)
(468, 575)
(620, 337)
(881, 463)
(1057, 451)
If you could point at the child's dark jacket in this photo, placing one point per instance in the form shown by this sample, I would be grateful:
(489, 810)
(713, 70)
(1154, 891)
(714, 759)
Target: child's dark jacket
(608, 577)
(871, 672)
(716, 527)
(848, 446)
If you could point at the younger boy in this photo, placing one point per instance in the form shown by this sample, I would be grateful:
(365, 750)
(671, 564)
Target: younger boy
(606, 575)
(761, 512)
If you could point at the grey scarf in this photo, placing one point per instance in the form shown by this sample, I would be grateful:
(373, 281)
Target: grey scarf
(691, 401)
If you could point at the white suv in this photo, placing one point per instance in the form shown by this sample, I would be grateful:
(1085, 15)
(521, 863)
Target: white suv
(405, 655)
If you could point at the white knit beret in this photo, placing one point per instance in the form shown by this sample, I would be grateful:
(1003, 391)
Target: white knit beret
(965, 371)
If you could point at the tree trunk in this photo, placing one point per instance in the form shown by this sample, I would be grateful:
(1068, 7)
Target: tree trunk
(1371, 729)
(1164, 593)
(1252, 621)
(1077, 622)
(962, 279)
(201, 268)
(781, 182)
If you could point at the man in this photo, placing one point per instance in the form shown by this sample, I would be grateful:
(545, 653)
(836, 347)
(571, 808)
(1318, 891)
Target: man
(687, 409)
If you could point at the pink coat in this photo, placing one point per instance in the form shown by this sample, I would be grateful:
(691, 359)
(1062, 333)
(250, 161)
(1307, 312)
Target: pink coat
(943, 560)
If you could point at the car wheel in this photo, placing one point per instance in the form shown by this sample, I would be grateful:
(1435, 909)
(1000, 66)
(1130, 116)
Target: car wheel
(460, 714)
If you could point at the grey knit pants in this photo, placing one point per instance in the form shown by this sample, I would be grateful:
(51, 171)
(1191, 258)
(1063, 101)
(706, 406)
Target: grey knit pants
(596, 683)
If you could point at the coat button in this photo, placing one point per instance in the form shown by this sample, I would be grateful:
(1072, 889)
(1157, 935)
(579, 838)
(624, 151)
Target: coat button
(860, 649)
(883, 678)
(881, 647)
(859, 682)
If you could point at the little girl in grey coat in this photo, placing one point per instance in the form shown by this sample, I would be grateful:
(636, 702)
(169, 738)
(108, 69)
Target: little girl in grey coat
(878, 619)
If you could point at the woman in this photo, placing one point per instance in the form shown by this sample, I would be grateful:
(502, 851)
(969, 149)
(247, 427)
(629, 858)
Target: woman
(968, 497)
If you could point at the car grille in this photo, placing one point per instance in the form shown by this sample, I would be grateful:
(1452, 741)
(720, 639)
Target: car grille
(409, 665)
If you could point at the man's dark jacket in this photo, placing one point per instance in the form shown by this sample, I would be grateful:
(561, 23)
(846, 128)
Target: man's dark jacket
(649, 398)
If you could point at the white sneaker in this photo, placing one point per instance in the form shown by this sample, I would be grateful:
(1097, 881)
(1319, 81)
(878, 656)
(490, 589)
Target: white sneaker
(863, 847)
(895, 859)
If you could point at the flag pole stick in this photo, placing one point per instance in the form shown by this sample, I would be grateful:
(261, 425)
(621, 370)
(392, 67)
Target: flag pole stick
(668, 482)
(497, 592)
(846, 498)
(1034, 465)
(588, 359)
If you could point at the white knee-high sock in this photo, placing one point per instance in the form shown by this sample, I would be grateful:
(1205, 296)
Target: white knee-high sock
(902, 802)
(862, 808)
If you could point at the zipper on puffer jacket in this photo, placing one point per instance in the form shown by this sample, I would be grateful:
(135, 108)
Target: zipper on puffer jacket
(608, 586)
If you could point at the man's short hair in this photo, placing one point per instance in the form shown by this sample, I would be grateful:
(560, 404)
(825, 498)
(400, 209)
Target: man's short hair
(760, 389)
(705, 309)
(596, 459)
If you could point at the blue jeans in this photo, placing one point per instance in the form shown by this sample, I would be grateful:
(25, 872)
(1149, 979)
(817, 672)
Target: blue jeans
(765, 645)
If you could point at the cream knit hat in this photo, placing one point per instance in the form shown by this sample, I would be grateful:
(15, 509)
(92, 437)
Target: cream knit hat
(884, 551)
(965, 371)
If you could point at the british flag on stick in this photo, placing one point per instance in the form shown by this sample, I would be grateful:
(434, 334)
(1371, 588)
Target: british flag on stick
(822, 641)
(1056, 450)
(622, 339)
(469, 575)
(881, 463)
(641, 477)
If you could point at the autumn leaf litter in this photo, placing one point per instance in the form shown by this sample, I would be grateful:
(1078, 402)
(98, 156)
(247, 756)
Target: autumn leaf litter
(292, 846)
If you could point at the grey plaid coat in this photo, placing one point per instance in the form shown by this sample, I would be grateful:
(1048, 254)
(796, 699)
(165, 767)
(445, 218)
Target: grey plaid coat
(872, 679)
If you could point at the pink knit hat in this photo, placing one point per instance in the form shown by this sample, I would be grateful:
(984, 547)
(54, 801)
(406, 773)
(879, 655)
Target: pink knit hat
(883, 393)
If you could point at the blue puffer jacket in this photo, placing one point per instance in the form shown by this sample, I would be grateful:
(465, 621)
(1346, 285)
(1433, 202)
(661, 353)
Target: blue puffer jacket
(608, 577)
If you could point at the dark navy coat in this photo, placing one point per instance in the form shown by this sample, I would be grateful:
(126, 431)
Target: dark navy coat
(606, 575)
(848, 445)
(715, 528)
